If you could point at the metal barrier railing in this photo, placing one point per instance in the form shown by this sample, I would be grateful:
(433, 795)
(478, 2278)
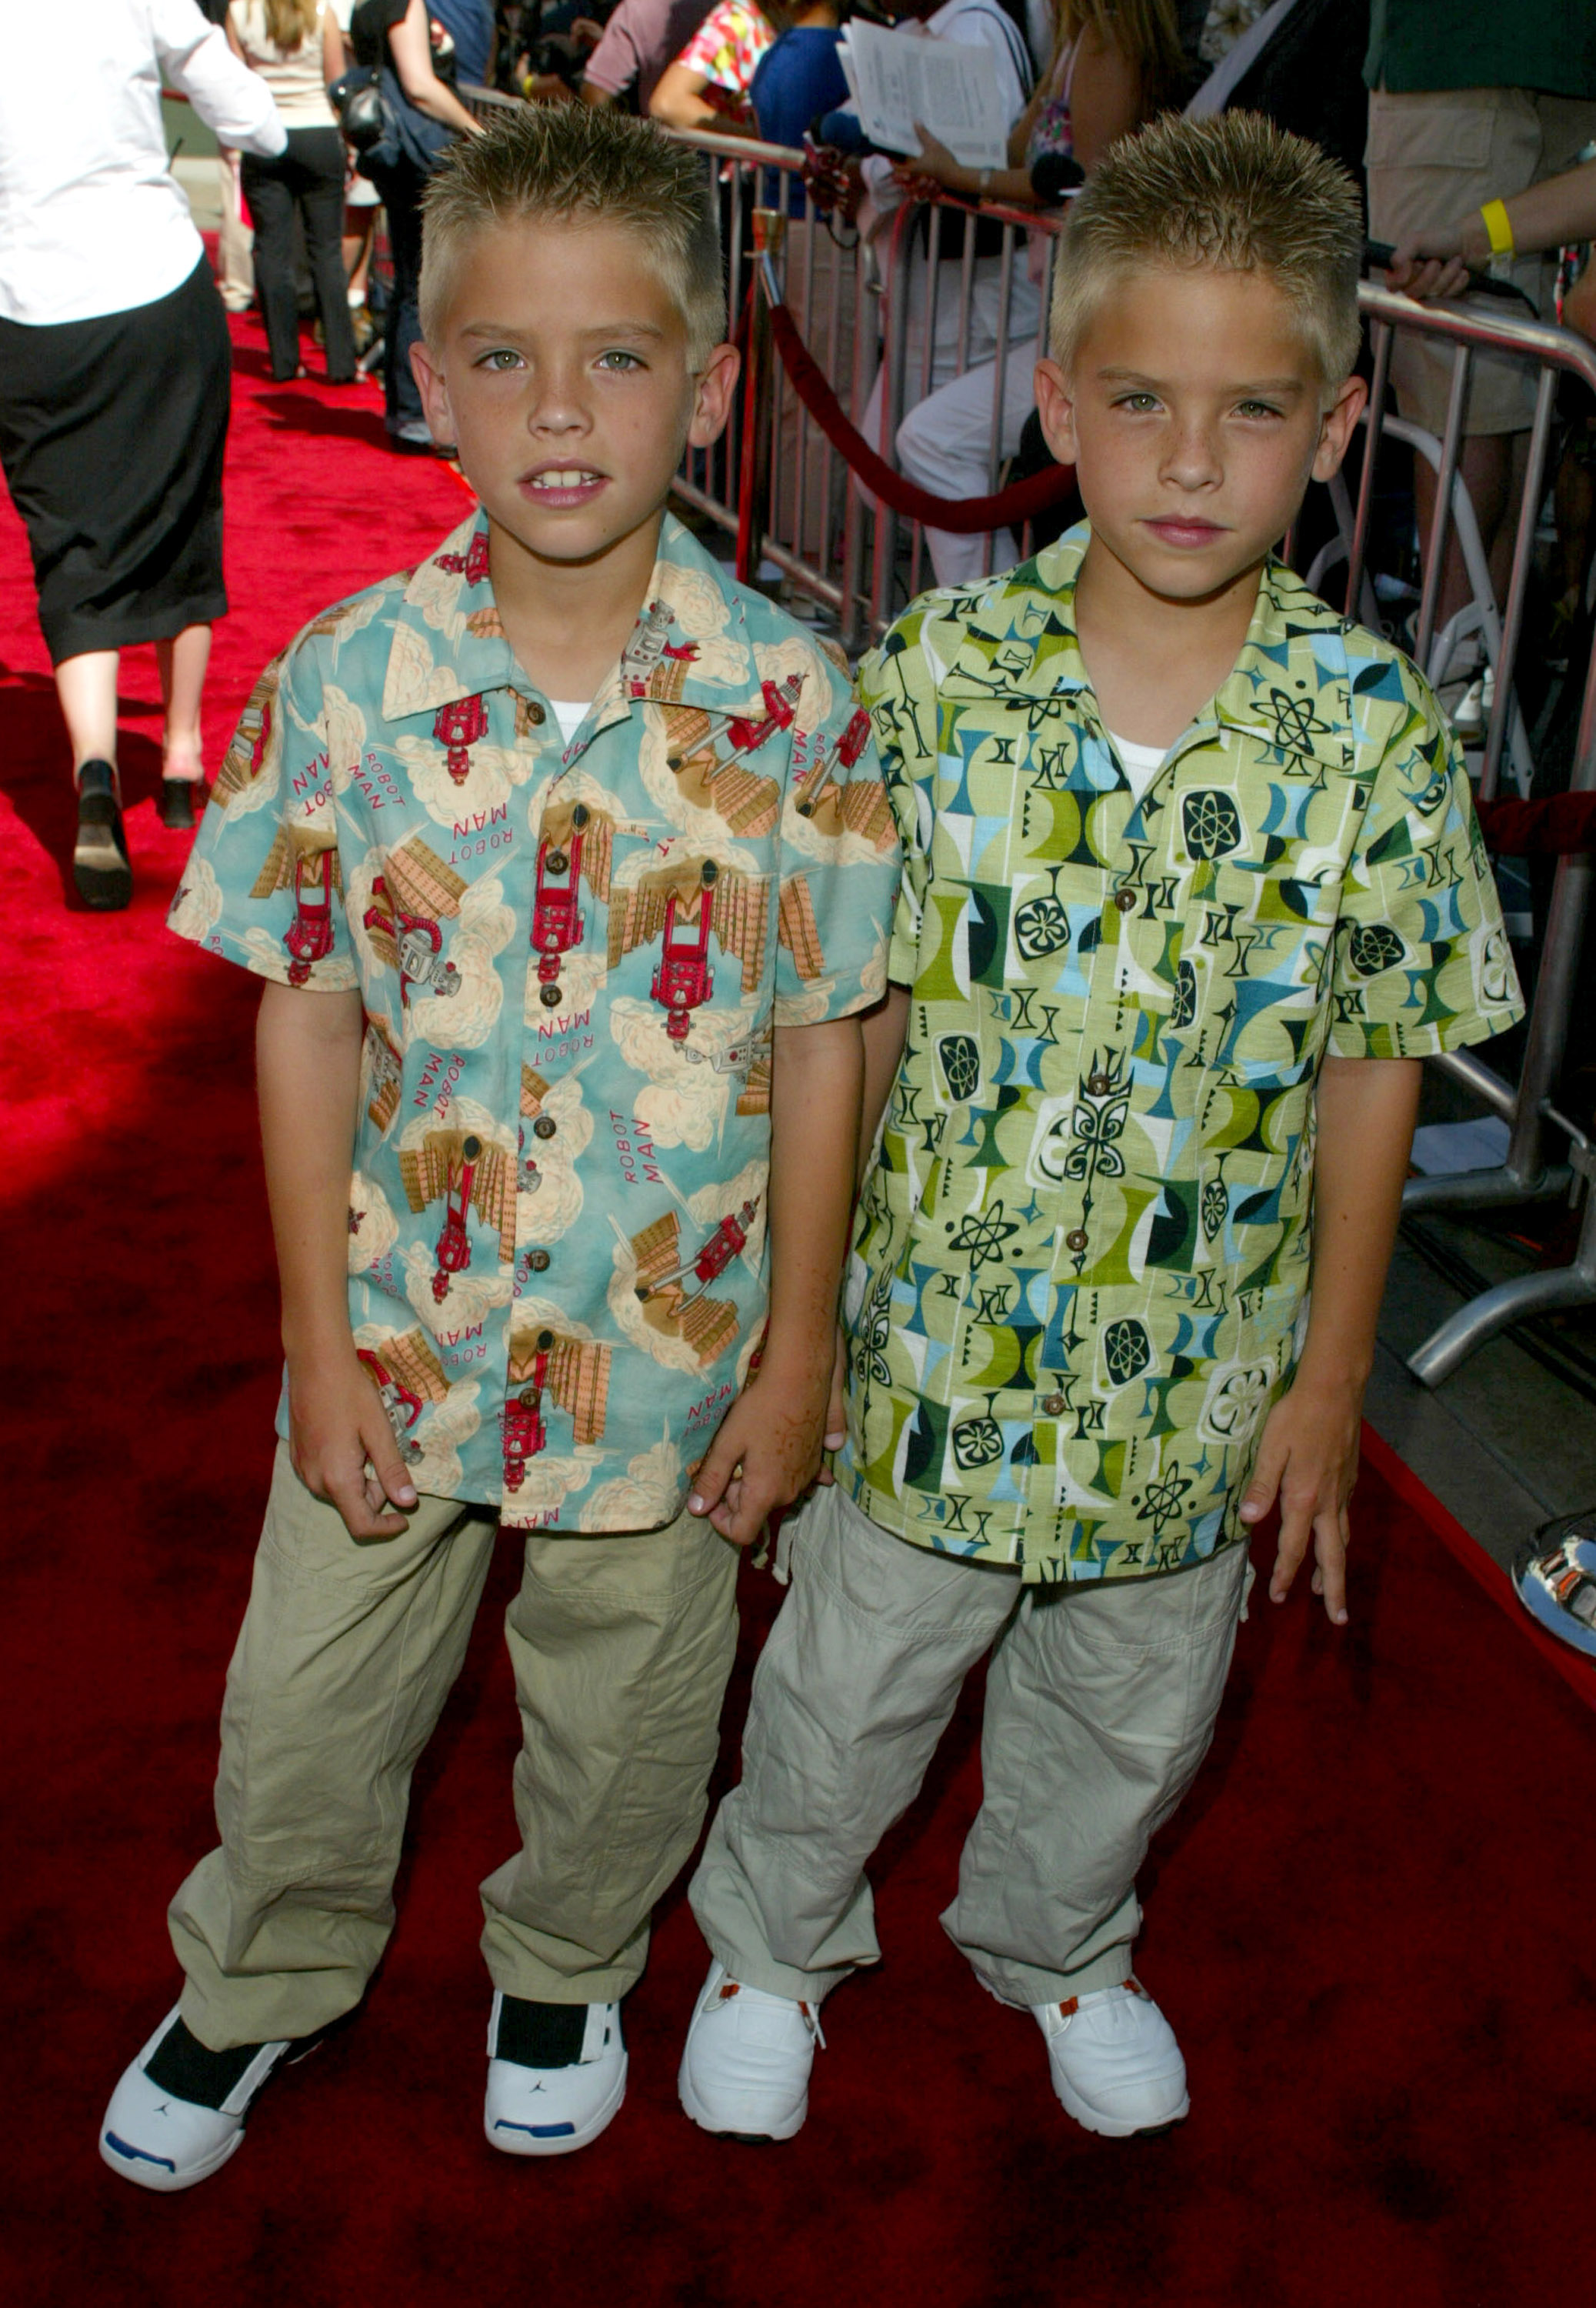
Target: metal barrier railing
(941, 307)
(1526, 1174)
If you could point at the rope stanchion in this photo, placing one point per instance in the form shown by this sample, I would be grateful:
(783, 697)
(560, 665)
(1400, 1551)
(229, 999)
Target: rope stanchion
(1010, 508)
(1560, 825)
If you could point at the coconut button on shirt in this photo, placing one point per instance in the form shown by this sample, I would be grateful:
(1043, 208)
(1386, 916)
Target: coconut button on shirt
(572, 945)
(1079, 1272)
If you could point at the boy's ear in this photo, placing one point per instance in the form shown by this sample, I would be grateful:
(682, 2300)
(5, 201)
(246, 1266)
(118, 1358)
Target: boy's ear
(433, 392)
(1336, 428)
(1055, 405)
(713, 389)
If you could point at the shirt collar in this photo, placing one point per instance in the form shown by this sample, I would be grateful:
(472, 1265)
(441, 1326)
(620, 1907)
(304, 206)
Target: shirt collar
(1023, 631)
(692, 646)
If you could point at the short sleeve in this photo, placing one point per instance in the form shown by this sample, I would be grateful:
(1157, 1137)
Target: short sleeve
(839, 866)
(896, 687)
(264, 884)
(1421, 963)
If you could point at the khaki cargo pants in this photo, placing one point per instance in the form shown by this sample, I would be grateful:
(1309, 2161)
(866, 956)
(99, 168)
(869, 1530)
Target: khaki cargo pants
(1099, 1705)
(620, 1645)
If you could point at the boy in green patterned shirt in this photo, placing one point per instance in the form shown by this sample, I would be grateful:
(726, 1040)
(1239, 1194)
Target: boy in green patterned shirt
(1193, 883)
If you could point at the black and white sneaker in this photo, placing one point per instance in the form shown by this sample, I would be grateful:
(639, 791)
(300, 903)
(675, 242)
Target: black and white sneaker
(178, 2112)
(556, 2075)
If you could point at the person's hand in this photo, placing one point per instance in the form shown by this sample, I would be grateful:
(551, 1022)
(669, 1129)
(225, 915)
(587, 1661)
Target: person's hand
(1579, 306)
(837, 1418)
(766, 1453)
(833, 181)
(586, 32)
(933, 165)
(1435, 262)
(1309, 1456)
(343, 1446)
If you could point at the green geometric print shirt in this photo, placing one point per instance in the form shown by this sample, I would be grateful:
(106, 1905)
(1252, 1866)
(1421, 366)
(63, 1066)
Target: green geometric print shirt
(1079, 1270)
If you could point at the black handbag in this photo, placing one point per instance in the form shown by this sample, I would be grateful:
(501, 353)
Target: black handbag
(362, 109)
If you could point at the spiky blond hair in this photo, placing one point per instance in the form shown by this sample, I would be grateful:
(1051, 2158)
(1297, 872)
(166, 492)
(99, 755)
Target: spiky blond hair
(1231, 195)
(583, 165)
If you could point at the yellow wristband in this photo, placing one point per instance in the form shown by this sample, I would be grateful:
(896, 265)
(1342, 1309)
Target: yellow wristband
(1499, 228)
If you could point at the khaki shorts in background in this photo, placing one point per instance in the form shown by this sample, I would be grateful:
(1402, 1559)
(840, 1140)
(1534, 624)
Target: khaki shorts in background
(1430, 158)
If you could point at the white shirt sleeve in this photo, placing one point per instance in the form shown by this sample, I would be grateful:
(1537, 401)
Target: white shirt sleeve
(234, 102)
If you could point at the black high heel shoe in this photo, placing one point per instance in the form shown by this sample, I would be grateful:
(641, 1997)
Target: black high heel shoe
(100, 872)
(178, 795)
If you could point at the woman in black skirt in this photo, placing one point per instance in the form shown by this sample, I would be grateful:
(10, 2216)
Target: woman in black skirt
(115, 374)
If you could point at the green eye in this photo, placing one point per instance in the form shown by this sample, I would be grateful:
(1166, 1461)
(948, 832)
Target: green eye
(498, 360)
(1257, 409)
(617, 362)
(1137, 403)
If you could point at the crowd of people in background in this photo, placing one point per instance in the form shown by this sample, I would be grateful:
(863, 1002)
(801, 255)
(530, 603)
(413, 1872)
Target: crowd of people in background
(1447, 116)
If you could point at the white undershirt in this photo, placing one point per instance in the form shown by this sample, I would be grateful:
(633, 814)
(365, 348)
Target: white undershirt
(569, 715)
(1140, 764)
(92, 220)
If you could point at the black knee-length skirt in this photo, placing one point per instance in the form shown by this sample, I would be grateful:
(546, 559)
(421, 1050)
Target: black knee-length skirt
(112, 433)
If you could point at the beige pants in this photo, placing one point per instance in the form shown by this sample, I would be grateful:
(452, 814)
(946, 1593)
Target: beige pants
(1431, 158)
(1099, 1705)
(620, 1644)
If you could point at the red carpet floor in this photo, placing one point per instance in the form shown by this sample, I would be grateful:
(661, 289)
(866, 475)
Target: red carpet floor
(1374, 1923)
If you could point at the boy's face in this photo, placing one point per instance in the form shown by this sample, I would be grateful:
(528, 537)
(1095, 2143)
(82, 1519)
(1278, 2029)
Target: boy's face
(562, 374)
(1193, 413)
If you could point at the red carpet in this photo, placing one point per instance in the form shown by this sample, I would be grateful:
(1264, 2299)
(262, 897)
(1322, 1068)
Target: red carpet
(1374, 1923)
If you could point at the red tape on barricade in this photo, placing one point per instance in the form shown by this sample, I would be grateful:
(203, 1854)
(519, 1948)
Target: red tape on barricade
(961, 516)
(1561, 825)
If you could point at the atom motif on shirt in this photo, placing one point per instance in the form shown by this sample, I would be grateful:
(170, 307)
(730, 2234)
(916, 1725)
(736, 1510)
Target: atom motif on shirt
(983, 1234)
(1160, 1501)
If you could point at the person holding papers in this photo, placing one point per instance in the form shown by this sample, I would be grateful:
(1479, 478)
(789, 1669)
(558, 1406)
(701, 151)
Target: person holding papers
(1000, 59)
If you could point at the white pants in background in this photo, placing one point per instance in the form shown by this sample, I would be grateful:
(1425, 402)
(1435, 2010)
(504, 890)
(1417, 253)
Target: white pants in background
(950, 441)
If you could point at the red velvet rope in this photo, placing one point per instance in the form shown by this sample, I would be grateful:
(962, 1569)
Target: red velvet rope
(1560, 825)
(961, 516)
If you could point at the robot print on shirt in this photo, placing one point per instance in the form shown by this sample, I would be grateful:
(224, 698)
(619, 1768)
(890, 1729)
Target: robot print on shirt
(663, 1287)
(407, 1375)
(304, 859)
(548, 1366)
(252, 765)
(382, 1076)
(712, 756)
(414, 895)
(464, 1171)
(683, 903)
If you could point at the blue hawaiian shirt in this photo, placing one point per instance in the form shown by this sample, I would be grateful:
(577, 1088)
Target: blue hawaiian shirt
(571, 958)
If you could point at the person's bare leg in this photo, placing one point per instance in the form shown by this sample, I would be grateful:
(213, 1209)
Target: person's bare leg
(86, 686)
(182, 662)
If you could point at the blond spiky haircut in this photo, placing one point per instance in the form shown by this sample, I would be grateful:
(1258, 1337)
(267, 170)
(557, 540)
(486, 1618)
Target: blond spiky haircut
(1231, 195)
(583, 165)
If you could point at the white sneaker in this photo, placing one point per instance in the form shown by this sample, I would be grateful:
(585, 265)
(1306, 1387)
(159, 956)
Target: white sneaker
(1116, 2066)
(156, 2137)
(556, 2075)
(745, 2064)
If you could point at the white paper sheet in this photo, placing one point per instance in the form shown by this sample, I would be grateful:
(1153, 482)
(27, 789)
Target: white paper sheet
(950, 89)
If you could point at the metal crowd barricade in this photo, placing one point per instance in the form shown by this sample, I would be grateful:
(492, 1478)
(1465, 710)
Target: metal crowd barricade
(1527, 1173)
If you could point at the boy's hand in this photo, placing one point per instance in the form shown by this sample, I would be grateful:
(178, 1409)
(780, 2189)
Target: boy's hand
(837, 1417)
(766, 1454)
(1308, 1455)
(337, 1429)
